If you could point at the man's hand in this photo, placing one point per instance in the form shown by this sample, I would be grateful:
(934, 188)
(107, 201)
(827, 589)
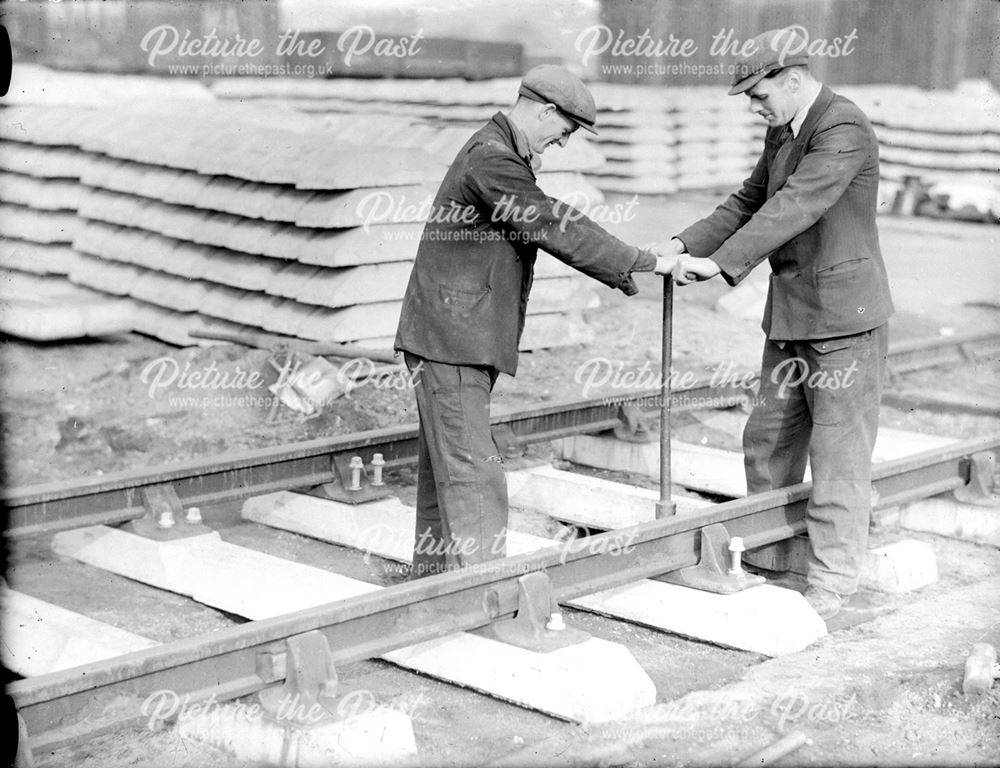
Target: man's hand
(666, 255)
(689, 269)
(665, 264)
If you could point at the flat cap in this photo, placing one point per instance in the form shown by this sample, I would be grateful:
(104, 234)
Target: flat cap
(773, 50)
(552, 84)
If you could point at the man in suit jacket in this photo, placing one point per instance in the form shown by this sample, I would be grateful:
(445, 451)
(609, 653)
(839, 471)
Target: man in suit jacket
(465, 304)
(809, 208)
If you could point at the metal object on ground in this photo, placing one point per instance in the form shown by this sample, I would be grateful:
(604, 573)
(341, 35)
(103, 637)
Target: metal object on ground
(66, 707)
(665, 507)
(914, 354)
(164, 517)
(636, 426)
(348, 486)
(309, 692)
(711, 574)
(357, 466)
(938, 402)
(538, 626)
(377, 463)
(981, 489)
(736, 550)
(773, 753)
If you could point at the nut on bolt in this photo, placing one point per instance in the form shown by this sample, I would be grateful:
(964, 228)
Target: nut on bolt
(357, 466)
(736, 549)
(377, 463)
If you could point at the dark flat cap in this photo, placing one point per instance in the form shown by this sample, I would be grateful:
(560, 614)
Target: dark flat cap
(551, 84)
(774, 50)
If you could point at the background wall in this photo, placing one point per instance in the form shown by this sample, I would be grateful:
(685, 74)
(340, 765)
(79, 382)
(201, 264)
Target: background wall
(929, 43)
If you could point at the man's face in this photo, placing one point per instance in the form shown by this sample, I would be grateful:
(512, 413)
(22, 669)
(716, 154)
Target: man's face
(775, 98)
(552, 128)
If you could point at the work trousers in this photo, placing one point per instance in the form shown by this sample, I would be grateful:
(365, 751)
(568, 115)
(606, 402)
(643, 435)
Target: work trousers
(461, 486)
(820, 400)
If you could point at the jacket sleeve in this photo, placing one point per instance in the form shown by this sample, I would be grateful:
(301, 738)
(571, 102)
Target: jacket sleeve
(507, 196)
(704, 237)
(835, 156)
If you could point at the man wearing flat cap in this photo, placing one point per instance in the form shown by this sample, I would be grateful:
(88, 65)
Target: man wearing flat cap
(464, 308)
(808, 207)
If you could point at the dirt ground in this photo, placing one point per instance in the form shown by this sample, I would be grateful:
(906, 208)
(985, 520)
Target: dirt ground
(884, 692)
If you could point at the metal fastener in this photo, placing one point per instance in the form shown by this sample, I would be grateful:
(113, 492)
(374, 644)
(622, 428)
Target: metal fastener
(736, 548)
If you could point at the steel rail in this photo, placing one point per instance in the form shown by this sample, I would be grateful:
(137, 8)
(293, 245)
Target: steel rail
(116, 498)
(62, 707)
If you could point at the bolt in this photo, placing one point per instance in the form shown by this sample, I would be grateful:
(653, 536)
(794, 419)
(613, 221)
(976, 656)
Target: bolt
(377, 463)
(357, 467)
(165, 520)
(735, 549)
(556, 623)
(193, 515)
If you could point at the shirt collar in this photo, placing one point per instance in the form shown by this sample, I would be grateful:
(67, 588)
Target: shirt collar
(800, 116)
(521, 145)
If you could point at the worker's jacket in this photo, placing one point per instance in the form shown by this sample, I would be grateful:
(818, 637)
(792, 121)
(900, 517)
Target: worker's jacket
(467, 296)
(809, 208)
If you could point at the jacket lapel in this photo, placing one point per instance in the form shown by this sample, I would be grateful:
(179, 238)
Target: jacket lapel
(786, 159)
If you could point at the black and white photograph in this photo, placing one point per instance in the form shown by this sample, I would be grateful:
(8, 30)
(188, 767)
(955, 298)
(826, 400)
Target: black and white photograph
(570, 384)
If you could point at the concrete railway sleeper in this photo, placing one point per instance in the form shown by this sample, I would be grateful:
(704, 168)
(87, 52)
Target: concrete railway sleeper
(301, 650)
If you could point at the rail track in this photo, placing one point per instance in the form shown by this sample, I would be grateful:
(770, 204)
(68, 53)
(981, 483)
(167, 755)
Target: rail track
(65, 707)
(118, 498)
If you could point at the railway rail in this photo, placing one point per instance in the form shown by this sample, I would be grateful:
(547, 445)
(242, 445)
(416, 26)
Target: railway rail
(112, 499)
(62, 708)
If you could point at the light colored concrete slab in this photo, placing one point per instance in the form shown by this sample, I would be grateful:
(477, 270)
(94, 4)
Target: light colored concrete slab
(258, 586)
(585, 500)
(384, 527)
(764, 619)
(592, 681)
(374, 528)
(897, 443)
(693, 466)
(39, 637)
(708, 469)
(382, 737)
(657, 604)
(235, 579)
(947, 517)
(902, 566)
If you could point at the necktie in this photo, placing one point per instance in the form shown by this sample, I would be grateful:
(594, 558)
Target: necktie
(784, 149)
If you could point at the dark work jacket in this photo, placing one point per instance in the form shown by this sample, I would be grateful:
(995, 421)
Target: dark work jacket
(467, 296)
(810, 209)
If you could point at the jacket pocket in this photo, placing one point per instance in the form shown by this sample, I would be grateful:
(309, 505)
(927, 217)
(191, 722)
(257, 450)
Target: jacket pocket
(461, 300)
(850, 265)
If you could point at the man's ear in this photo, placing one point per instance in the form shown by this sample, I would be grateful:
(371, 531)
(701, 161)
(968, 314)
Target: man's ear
(794, 80)
(546, 111)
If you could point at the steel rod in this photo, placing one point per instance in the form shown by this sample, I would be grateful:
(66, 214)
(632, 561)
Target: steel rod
(665, 506)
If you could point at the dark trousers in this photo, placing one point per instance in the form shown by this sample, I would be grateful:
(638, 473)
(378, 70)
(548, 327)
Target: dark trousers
(820, 400)
(461, 486)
